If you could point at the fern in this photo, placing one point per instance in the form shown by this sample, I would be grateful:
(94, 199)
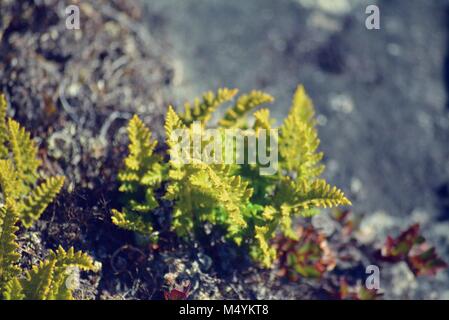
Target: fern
(141, 175)
(234, 117)
(24, 152)
(3, 127)
(202, 110)
(9, 180)
(14, 290)
(9, 257)
(37, 201)
(48, 280)
(24, 202)
(299, 141)
(251, 207)
(37, 282)
(263, 120)
(19, 172)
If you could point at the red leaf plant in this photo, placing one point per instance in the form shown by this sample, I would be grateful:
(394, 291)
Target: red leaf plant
(412, 248)
(176, 291)
(309, 257)
(359, 292)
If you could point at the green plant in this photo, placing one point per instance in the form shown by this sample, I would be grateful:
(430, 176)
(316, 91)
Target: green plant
(22, 203)
(46, 281)
(142, 174)
(19, 171)
(251, 206)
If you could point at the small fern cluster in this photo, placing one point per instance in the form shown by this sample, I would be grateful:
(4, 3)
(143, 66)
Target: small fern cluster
(252, 207)
(19, 171)
(46, 281)
(23, 202)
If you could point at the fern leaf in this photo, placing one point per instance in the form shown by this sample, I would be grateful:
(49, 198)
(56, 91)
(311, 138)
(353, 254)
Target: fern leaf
(299, 141)
(10, 186)
(47, 281)
(140, 177)
(263, 252)
(231, 191)
(3, 128)
(141, 146)
(286, 222)
(234, 117)
(38, 281)
(303, 196)
(133, 222)
(64, 262)
(13, 290)
(9, 256)
(320, 194)
(32, 207)
(302, 106)
(60, 290)
(172, 122)
(72, 258)
(202, 110)
(263, 120)
(24, 151)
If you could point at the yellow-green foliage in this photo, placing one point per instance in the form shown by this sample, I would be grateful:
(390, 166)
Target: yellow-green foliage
(202, 110)
(235, 116)
(24, 201)
(48, 280)
(140, 177)
(9, 256)
(253, 208)
(19, 171)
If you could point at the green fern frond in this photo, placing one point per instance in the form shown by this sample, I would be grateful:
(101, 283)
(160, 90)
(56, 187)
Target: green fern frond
(202, 110)
(64, 262)
(9, 182)
(263, 120)
(302, 106)
(13, 290)
(197, 188)
(48, 280)
(285, 222)
(298, 142)
(141, 175)
(32, 207)
(19, 173)
(24, 151)
(37, 282)
(25, 202)
(141, 147)
(172, 123)
(133, 222)
(9, 256)
(263, 252)
(300, 197)
(72, 258)
(3, 127)
(235, 116)
(230, 191)
(319, 195)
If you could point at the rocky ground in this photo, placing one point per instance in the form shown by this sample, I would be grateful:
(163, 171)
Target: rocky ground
(380, 95)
